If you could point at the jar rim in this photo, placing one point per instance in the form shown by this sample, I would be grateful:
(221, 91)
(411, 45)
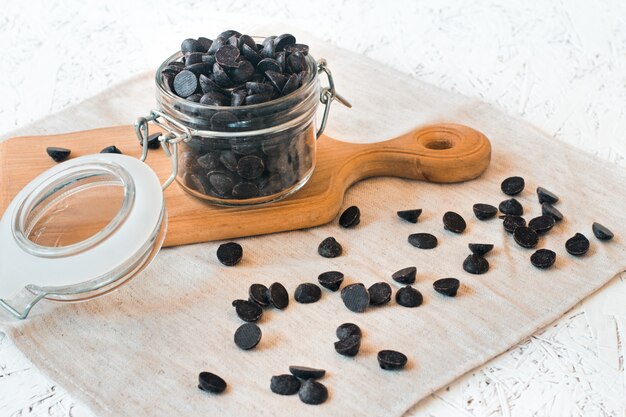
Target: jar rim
(158, 79)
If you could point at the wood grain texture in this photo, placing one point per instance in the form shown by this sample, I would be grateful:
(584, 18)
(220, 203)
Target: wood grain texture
(440, 153)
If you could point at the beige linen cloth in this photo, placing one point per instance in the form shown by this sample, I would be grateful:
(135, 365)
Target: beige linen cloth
(139, 350)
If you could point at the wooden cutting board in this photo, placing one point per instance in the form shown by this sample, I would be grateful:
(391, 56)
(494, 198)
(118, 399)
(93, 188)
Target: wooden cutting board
(440, 153)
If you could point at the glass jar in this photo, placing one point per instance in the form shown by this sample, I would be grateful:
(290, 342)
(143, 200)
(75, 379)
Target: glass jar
(248, 154)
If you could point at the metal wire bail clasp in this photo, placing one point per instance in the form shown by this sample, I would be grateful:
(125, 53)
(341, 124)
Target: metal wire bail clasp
(328, 94)
(176, 132)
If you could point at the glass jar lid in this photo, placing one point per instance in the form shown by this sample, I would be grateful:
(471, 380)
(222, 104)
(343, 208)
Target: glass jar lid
(80, 229)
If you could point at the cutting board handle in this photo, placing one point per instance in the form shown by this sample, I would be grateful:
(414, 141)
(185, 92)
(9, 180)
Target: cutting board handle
(442, 153)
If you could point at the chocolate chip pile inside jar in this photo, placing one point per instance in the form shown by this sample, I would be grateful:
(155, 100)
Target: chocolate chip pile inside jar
(250, 106)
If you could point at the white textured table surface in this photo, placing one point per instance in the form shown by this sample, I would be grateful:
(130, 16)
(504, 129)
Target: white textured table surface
(559, 65)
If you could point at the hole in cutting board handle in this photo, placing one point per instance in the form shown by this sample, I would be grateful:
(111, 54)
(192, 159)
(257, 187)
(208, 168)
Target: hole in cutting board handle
(438, 138)
(439, 144)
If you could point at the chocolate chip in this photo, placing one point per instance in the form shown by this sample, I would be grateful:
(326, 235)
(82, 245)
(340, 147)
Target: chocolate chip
(191, 45)
(258, 293)
(268, 64)
(380, 293)
(512, 185)
(331, 280)
(185, 83)
(409, 297)
(511, 207)
(278, 295)
(329, 248)
(543, 258)
(511, 223)
(214, 98)
(277, 79)
(223, 119)
(222, 183)
(250, 167)
(247, 336)
(526, 237)
(268, 50)
(111, 149)
(205, 42)
(218, 42)
(423, 240)
(58, 154)
(227, 56)
(355, 297)
(257, 98)
(284, 384)
(220, 77)
(229, 253)
(348, 329)
(307, 293)
(484, 211)
(447, 286)
(237, 98)
(258, 88)
(244, 72)
(475, 264)
(454, 222)
(601, 232)
(480, 249)
(153, 141)
(348, 346)
(229, 33)
(210, 382)
(304, 372)
(244, 190)
(193, 58)
(292, 84)
(247, 310)
(546, 196)
(250, 54)
(391, 360)
(577, 245)
(548, 209)
(405, 275)
(410, 215)
(296, 63)
(229, 159)
(350, 217)
(284, 40)
(194, 98)
(312, 392)
(542, 224)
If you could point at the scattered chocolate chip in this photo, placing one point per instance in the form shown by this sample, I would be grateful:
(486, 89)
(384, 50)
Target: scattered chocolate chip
(577, 245)
(423, 240)
(284, 384)
(511, 207)
(210, 382)
(543, 258)
(58, 154)
(278, 295)
(548, 209)
(330, 280)
(410, 215)
(454, 222)
(484, 211)
(475, 264)
(229, 253)
(258, 293)
(305, 372)
(307, 293)
(350, 217)
(409, 297)
(601, 232)
(355, 297)
(111, 149)
(247, 336)
(512, 185)
(348, 329)
(546, 196)
(329, 248)
(526, 237)
(405, 275)
(153, 141)
(511, 223)
(247, 310)
(391, 360)
(312, 392)
(380, 293)
(348, 346)
(480, 249)
(447, 286)
(542, 224)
